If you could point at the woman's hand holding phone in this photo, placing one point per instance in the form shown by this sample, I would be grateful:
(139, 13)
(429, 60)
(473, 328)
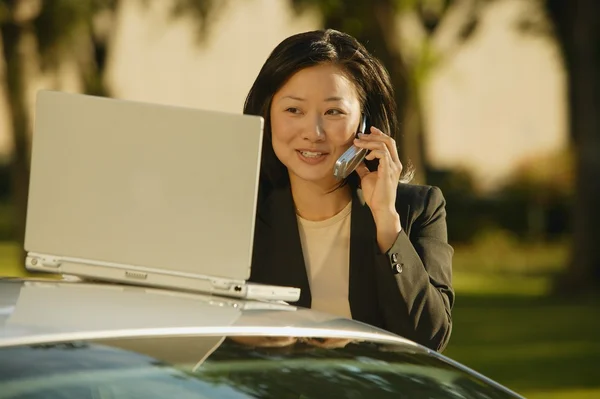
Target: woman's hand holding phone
(379, 187)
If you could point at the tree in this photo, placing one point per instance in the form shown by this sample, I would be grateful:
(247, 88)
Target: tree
(578, 35)
(410, 37)
(42, 34)
(439, 26)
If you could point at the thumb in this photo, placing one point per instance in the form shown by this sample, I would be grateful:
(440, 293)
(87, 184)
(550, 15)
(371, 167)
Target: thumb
(362, 170)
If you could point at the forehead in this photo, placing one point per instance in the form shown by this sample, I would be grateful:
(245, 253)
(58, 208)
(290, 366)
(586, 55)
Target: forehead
(319, 81)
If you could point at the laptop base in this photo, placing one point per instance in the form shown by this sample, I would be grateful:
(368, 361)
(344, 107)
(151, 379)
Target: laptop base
(143, 276)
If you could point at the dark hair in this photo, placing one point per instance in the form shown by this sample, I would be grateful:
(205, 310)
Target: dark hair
(312, 48)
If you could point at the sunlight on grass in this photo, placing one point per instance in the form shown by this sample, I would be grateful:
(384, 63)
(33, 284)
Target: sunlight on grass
(499, 252)
(10, 266)
(508, 327)
(9, 260)
(492, 284)
(563, 394)
(540, 346)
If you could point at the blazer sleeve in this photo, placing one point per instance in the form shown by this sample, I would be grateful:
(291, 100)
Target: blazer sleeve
(414, 277)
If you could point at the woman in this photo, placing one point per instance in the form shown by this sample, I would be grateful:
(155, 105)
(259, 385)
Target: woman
(367, 247)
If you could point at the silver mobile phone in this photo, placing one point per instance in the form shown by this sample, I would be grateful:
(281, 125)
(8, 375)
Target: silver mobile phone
(352, 157)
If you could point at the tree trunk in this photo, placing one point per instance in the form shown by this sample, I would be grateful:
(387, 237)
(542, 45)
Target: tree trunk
(585, 121)
(579, 35)
(374, 24)
(19, 166)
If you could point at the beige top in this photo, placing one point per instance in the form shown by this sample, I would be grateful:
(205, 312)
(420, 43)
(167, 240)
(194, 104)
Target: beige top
(326, 250)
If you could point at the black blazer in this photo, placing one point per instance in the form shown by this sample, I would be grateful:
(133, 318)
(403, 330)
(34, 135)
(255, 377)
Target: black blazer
(407, 290)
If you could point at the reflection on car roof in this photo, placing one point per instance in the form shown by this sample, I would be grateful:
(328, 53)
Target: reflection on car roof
(40, 311)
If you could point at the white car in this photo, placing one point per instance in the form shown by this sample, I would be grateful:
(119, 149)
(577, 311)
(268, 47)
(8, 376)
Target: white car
(61, 339)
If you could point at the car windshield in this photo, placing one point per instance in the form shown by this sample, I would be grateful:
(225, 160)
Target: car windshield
(231, 368)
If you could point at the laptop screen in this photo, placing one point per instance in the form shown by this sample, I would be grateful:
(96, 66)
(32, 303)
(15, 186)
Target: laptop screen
(143, 184)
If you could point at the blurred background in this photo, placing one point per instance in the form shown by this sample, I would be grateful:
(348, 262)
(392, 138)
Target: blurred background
(500, 107)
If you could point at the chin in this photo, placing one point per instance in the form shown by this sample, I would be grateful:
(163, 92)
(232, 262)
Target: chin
(315, 176)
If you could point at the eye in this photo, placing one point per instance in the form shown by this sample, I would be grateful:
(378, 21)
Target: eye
(293, 110)
(334, 111)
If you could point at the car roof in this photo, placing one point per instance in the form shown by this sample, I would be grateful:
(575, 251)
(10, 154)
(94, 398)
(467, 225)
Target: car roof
(35, 311)
(41, 311)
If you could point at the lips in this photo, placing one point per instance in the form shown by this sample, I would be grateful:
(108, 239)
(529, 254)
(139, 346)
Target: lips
(311, 156)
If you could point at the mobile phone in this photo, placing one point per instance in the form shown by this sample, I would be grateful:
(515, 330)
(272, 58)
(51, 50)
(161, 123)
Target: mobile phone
(352, 157)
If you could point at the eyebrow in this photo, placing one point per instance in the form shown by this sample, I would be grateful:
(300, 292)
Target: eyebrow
(328, 99)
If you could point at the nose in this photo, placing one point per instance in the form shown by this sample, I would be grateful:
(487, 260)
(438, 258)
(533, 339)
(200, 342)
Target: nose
(314, 130)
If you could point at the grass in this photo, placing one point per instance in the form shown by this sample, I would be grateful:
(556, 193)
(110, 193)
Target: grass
(9, 264)
(505, 324)
(541, 347)
(500, 252)
(508, 327)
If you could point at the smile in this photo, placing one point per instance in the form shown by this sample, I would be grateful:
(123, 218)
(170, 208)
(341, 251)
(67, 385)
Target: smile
(311, 157)
(310, 154)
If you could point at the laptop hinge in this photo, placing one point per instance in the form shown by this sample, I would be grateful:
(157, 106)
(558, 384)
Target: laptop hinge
(223, 284)
(46, 260)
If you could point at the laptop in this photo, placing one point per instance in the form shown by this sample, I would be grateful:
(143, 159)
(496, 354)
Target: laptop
(145, 194)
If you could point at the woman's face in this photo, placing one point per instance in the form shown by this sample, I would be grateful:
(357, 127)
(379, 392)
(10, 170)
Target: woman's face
(314, 118)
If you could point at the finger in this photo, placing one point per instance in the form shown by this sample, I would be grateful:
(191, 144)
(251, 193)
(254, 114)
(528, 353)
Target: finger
(371, 145)
(380, 150)
(375, 134)
(329, 343)
(264, 342)
(382, 155)
(386, 165)
(378, 135)
(375, 131)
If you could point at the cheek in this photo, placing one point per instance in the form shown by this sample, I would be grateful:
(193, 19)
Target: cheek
(278, 145)
(339, 133)
(282, 132)
(281, 138)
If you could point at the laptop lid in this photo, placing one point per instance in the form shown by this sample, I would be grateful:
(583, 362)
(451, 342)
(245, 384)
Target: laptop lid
(143, 184)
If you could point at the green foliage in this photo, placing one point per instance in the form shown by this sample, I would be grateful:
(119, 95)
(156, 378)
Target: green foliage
(202, 13)
(543, 177)
(326, 8)
(4, 11)
(543, 188)
(425, 64)
(534, 203)
(355, 18)
(57, 24)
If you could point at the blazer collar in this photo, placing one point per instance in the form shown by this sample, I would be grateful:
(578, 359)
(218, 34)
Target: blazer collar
(286, 266)
(362, 288)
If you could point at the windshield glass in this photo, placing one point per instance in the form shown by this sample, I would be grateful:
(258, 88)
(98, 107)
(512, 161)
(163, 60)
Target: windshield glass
(231, 368)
